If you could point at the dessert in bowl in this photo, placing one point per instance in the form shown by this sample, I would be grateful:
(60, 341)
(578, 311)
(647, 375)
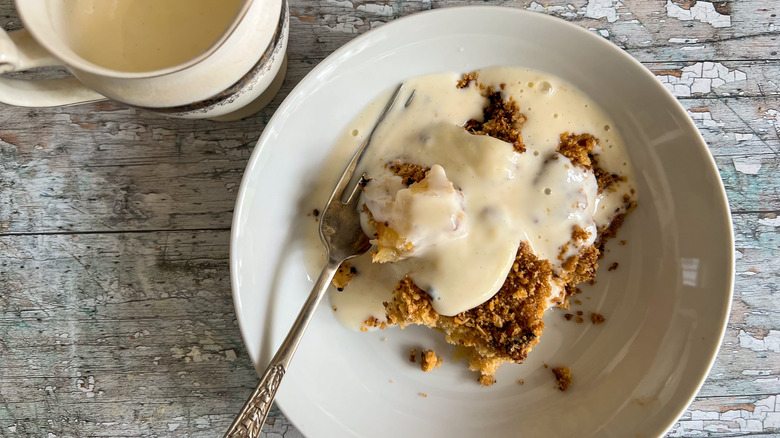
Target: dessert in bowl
(668, 299)
(488, 200)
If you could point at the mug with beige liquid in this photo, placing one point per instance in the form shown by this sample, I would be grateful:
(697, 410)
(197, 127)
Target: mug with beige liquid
(218, 59)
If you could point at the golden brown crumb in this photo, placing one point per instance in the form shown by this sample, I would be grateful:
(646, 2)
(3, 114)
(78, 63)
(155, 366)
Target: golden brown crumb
(467, 79)
(578, 302)
(423, 395)
(429, 360)
(568, 316)
(503, 329)
(501, 119)
(409, 173)
(579, 234)
(413, 355)
(623, 242)
(613, 266)
(596, 318)
(335, 308)
(521, 382)
(579, 320)
(487, 380)
(563, 376)
(578, 148)
(373, 322)
(343, 276)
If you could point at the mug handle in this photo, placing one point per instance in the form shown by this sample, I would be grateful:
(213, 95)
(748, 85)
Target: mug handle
(18, 52)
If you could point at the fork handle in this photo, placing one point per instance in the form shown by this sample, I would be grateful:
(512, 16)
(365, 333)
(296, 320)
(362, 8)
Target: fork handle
(250, 420)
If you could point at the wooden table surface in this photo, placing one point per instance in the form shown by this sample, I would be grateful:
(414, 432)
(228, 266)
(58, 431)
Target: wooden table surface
(116, 317)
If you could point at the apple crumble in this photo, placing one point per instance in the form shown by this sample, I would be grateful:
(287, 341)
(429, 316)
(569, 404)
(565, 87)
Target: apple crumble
(490, 197)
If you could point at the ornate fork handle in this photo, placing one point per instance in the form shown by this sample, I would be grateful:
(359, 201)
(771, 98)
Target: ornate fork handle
(252, 417)
(250, 420)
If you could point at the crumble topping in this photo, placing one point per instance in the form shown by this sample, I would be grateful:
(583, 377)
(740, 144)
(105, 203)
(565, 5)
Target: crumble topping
(429, 360)
(563, 376)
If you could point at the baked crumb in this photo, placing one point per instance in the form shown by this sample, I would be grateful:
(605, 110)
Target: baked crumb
(579, 149)
(568, 316)
(613, 266)
(335, 308)
(503, 329)
(579, 320)
(596, 318)
(423, 395)
(429, 360)
(409, 173)
(487, 380)
(413, 355)
(343, 276)
(563, 376)
(467, 79)
(372, 322)
(501, 119)
(316, 212)
(578, 302)
(521, 382)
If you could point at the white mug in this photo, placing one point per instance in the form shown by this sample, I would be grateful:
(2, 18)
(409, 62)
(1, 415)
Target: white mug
(235, 76)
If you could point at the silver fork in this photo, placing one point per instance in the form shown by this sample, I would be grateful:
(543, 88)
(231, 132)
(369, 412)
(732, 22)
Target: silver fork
(344, 239)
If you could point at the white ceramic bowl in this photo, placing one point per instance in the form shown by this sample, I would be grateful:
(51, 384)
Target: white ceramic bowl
(666, 305)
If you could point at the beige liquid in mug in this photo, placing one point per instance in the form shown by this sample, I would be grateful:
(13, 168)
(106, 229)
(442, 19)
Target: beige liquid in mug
(145, 35)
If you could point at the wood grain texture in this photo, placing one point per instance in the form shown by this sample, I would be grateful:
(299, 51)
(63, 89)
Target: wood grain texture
(115, 310)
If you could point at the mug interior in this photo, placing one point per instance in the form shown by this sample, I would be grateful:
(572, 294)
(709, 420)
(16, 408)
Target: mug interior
(51, 23)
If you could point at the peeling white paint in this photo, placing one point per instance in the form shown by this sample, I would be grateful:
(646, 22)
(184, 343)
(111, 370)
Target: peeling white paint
(604, 33)
(202, 422)
(683, 40)
(747, 165)
(700, 78)
(378, 9)
(701, 11)
(603, 9)
(764, 417)
(343, 23)
(341, 4)
(87, 387)
(563, 11)
(772, 222)
(770, 342)
(756, 372)
(704, 119)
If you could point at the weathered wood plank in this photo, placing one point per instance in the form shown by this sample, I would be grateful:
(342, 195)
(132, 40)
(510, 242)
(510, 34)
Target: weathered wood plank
(130, 332)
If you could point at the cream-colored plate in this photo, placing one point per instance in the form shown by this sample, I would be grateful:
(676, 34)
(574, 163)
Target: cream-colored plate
(666, 305)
